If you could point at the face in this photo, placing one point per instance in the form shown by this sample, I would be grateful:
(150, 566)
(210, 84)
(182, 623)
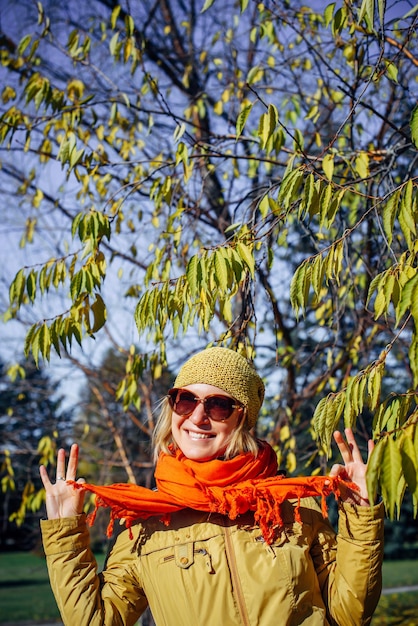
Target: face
(199, 437)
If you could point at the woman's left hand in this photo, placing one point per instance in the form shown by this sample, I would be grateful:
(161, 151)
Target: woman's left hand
(354, 468)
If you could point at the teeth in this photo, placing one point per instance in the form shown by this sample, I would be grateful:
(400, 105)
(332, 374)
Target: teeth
(199, 435)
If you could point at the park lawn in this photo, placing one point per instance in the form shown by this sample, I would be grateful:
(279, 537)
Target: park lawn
(25, 594)
(398, 608)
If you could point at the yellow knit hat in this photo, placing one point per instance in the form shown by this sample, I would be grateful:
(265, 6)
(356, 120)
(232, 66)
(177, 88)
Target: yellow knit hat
(229, 371)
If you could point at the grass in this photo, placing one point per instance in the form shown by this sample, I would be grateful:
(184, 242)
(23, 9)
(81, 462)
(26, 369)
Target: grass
(25, 594)
(400, 574)
(398, 608)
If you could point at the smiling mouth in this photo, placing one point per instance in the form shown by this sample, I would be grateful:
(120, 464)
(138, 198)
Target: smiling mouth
(194, 435)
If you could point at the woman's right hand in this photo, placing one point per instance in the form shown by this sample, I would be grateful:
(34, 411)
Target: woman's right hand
(62, 499)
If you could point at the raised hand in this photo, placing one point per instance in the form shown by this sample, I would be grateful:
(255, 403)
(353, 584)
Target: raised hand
(62, 499)
(354, 468)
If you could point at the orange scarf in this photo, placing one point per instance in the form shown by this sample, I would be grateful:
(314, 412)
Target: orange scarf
(232, 487)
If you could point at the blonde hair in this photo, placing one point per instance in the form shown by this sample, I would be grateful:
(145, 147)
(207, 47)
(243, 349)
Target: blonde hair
(241, 440)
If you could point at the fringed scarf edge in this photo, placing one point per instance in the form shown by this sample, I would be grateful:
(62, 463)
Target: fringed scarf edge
(264, 499)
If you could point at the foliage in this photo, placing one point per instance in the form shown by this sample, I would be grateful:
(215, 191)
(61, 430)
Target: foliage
(116, 440)
(244, 174)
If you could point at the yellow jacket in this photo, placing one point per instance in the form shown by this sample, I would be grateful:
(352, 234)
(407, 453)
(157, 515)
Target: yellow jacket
(204, 570)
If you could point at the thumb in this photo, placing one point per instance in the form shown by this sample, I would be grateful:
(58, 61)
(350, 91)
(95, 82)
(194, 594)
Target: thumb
(336, 469)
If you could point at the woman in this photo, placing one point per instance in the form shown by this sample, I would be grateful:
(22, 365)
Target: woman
(223, 540)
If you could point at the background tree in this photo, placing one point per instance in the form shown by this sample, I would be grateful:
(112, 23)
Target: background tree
(243, 176)
(116, 441)
(32, 424)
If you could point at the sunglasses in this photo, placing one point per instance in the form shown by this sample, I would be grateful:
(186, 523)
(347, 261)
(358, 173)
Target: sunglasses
(217, 408)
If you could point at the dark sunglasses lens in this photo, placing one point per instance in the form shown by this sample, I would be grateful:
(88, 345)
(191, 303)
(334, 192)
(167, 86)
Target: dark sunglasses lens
(219, 407)
(183, 403)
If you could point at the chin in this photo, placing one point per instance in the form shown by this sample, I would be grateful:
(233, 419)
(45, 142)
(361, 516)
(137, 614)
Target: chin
(199, 456)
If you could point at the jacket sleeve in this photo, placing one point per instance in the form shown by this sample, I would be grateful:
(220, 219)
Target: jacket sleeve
(84, 597)
(349, 569)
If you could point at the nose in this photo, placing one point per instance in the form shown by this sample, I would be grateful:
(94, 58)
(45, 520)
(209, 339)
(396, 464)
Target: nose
(198, 416)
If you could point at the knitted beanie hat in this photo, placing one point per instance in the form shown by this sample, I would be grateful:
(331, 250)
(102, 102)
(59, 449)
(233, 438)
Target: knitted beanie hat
(229, 371)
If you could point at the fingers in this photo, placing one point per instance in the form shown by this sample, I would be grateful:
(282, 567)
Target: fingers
(72, 463)
(337, 470)
(348, 447)
(44, 476)
(60, 474)
(70, 473)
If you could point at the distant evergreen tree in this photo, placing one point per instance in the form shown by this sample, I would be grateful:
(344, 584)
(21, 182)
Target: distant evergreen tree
(32, 425)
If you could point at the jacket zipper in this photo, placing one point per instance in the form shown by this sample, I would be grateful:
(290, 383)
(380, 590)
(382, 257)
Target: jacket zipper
(230, 552)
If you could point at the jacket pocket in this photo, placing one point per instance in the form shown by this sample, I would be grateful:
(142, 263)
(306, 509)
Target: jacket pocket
(185, 555)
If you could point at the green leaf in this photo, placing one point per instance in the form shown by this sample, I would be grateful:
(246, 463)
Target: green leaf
(374, 467)
(44, 341)
(254, 75)
(221, 269)
(207, 5)
(23, 44)
(390, 211)
(390, 476)
(246, 254)
(409, 459)
(381, 8)
(374, 383)
(129, 25)
(31, 285)
(242, 119)
(54, 331)
(391, 70)
(17, 288)
(308, 193)
(324, 203)
(328, 13)
(289, 187)
(298, 287)
(413, 124)
(317, 274)
(362, 164)
(328, 166)
(114, 16)
(406, 297)
(406, 216)
(264, 206)
(326, 417)
(413, 357)
(367, 10)
(194, 274)
(29, 338)
(98, 309)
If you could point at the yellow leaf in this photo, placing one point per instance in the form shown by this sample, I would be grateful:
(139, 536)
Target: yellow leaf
(328, 166)
(284, 432)
(362, 165)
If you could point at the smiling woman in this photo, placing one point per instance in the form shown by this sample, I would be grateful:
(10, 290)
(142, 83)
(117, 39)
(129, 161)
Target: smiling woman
(196, 432)
(224, 539)
(212, 372)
